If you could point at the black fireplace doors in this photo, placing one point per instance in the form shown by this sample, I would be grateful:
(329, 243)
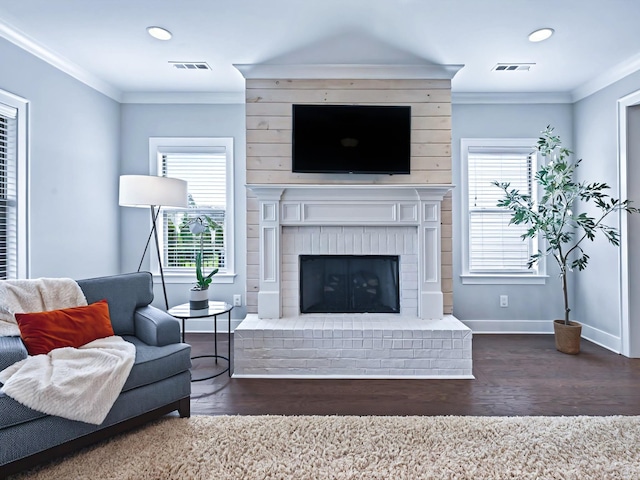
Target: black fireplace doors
(349, 284)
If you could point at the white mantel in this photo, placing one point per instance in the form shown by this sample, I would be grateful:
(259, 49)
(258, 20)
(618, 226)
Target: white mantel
(283, 205)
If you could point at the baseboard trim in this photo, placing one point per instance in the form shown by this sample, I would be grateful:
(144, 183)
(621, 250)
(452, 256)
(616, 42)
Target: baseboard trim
(604, 339)
(478, 327)
(509, 326)
(205, 325)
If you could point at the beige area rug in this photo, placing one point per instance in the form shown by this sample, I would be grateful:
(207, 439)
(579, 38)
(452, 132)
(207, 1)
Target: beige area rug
(390, 448)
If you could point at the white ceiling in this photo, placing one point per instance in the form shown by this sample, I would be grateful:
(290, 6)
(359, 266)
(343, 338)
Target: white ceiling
(105, 41)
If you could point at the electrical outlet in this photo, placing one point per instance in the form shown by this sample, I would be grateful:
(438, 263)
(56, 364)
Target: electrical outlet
(237, 300)
(504, 301)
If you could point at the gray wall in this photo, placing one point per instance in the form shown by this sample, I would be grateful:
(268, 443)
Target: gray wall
(141, 121)
(73, 167)
(531, 307)
(598, 287)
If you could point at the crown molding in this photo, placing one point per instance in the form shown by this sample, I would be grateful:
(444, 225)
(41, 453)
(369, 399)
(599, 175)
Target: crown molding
(609, 77)
(28, 44)
(184, 97)
(347, 71)
(484, 98)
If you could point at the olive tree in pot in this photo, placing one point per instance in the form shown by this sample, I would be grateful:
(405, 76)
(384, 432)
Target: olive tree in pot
(552, 217)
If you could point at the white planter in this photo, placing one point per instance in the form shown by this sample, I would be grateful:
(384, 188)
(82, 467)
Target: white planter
(198, 299)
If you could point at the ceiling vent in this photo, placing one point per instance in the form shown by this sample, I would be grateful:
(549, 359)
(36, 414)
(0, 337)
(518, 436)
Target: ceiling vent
(512, 67)
(191, 65)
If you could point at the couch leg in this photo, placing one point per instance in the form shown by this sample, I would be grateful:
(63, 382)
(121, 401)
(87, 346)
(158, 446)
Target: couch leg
(184, 407)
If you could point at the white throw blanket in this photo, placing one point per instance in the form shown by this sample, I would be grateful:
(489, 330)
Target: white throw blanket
(75, 383)
(37, 295)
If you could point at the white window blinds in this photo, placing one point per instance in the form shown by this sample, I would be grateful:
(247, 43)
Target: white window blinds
(494, 245)
(8, 192)
(205, 174)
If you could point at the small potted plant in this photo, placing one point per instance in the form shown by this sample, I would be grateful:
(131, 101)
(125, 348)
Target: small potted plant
(553, 219)
(199, 293)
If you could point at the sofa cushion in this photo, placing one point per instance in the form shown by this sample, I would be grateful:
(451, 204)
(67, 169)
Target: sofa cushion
(12, 350)
(156, 363)
(124, 292)
(41, 332)
(14, 413)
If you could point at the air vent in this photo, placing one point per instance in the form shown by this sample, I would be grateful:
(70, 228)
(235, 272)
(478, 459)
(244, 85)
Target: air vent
(191, 65)
(512, 67)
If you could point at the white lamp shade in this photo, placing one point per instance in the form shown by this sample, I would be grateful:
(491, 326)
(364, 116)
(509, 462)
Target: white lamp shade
(146, 190)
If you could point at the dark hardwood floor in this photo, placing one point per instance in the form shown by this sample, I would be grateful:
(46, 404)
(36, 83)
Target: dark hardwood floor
(515, 375)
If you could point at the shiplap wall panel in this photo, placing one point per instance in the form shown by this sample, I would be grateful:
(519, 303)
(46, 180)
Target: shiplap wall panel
(284, 109)
(374, 96)
(269, 126)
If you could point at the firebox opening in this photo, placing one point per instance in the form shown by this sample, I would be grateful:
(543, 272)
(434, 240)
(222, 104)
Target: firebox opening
(349, 284)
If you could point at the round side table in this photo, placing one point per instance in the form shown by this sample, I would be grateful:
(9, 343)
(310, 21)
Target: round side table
(184, 313)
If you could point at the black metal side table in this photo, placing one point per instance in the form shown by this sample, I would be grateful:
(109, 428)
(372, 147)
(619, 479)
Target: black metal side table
(183, 312)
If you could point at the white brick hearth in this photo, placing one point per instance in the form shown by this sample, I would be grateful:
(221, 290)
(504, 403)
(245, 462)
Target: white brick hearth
(402, 220)
(341, 346)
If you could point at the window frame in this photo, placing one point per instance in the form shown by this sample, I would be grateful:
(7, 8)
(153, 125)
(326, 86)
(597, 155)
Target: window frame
(22, 266)
(501, 145)
(159, 146)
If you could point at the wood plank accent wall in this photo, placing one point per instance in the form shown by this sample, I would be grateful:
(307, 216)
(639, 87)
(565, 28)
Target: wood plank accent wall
(268, 118)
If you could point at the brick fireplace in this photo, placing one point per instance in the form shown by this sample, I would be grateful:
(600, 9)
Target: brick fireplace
(293, 214)
(404, 220)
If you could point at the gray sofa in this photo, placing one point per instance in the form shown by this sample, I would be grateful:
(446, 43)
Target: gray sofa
(159, 382)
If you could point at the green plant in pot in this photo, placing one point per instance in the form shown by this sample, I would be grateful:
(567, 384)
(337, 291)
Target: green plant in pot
(552, 217)
(199, 293)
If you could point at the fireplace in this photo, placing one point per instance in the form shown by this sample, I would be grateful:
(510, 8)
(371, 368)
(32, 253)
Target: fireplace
(399, 226)
(349, 284)
(398, 220)
(290, 214)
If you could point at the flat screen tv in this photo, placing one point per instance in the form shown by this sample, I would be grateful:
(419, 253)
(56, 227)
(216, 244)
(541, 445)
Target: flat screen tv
(351, 139)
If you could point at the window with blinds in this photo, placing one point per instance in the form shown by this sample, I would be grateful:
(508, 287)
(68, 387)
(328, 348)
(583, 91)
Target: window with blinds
(8, 192)
(206, 177)
(494, 245)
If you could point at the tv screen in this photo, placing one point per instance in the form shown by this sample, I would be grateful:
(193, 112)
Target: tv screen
(351, 139)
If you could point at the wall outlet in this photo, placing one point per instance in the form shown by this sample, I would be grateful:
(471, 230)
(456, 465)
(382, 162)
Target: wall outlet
(504, 301)
(237, 300)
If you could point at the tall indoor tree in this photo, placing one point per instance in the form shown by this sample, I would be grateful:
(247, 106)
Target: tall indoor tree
(553, 217)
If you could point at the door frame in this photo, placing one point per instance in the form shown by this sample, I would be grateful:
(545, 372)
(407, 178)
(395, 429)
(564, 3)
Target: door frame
(629, 346)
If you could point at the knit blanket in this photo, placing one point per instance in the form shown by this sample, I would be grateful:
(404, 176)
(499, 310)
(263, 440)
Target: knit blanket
(35, 295)
(75, 383)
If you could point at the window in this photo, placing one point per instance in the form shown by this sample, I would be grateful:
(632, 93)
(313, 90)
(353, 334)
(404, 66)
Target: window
(206, 164)
(495, 251)
(13, 148)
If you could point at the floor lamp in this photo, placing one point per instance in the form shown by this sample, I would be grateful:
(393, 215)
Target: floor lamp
(154, 192)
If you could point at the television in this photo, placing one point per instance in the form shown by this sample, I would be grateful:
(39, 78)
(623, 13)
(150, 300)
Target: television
(374, 139)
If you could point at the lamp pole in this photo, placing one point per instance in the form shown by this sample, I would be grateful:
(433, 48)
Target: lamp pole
(154, 230)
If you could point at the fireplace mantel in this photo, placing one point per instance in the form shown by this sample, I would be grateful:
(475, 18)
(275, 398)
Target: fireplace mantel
(350, 205)
(347, 190)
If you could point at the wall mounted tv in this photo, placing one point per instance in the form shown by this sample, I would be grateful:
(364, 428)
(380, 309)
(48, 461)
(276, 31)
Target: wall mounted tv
(351, 139)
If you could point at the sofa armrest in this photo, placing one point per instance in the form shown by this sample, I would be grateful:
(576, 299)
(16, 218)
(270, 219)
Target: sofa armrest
(12, 350)
(156, 327)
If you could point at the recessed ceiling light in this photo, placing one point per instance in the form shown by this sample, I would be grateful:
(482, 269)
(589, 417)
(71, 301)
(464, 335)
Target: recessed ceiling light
(159, 33)
(540, 35)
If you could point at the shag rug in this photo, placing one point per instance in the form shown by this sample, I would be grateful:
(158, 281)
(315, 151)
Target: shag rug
(390, 448)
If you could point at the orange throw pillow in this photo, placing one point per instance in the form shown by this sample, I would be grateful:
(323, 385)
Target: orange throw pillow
(41, 332)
